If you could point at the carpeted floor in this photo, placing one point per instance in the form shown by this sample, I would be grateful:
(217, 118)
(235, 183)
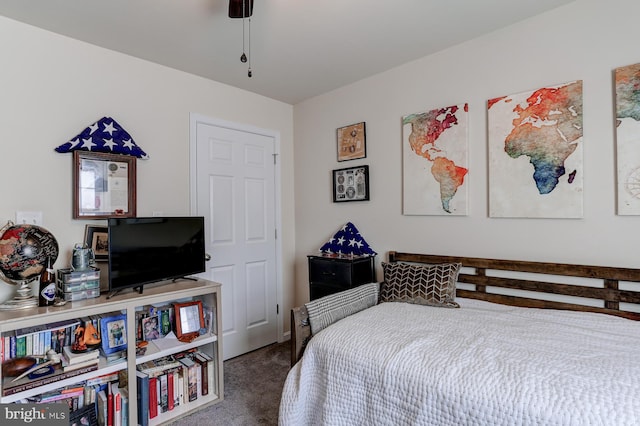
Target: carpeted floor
(252, 386)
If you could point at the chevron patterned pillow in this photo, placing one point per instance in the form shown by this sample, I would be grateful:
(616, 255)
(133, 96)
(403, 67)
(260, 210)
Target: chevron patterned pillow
(433, 285)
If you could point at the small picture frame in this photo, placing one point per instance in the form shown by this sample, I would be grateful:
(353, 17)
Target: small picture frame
(113, 333)
(97, 238)
(104, 185)
(189, 320)
(151, 327)
(351, 184)
(352, 142)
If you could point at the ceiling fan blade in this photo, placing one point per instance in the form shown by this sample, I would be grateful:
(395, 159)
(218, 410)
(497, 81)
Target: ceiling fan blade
(235, 8)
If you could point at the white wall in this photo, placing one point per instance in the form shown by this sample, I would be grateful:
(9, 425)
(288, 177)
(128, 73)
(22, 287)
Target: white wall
(585, 40)
(53, 87)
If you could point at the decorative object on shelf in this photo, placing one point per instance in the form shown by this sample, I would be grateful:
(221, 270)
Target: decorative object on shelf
(82, 258)
(97, 237)
(47, 288)
(104, 185)
(434, 161)
(52, 358)
(189, 320)
(24, 249)
(105, 135)
(16, 366)
(151, 328)
(113, 333)
(351, 184)
(347, 241)
(352, 142)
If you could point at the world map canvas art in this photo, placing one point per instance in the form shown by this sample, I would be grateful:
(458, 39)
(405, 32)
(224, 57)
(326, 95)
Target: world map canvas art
(535, 153)
(628, 138)
(434, 149)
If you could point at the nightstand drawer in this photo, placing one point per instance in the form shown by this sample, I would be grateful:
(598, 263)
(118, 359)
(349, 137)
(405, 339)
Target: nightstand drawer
(328, 271)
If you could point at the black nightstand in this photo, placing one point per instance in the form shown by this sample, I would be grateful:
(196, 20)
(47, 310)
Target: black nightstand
(329, 275)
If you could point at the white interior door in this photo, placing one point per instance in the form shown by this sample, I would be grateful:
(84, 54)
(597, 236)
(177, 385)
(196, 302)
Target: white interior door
(235, 192)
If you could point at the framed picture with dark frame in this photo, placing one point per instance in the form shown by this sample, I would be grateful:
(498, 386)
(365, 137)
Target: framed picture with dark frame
(352, 142)
(97, 238)
(104, 185)
(351, 184)
(189, 320)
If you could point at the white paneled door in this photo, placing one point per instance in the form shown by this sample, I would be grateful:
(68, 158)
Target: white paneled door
(235, 190)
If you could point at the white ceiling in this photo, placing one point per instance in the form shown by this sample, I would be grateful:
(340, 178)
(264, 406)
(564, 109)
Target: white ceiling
(299, 48)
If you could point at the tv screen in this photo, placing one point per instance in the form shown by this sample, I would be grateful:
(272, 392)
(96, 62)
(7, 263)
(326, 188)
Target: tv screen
(144, 250)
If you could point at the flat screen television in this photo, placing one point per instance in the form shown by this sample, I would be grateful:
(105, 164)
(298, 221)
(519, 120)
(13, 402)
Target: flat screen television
(145, 250)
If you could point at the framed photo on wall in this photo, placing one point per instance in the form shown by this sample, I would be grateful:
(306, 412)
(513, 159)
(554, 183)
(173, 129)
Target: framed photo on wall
(351, 184)
(352, 142)
(97, 238)
(104, 185)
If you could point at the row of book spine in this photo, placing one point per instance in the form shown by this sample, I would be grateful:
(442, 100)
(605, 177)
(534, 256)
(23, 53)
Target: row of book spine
(104, 401)
(166, 383)
(38, 340)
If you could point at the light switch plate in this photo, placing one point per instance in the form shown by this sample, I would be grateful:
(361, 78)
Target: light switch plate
(29, 218)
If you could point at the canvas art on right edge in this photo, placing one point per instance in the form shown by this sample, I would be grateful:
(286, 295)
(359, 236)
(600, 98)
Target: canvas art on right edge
(628, 138)
(535, 153)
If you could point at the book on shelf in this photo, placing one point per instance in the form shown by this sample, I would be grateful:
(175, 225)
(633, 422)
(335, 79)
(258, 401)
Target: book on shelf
(114, 357)
(117, 405)
(153, 398)
(76, 358)
(102, 407)
(102, 379)
(59, 395)
(124, 397)
(109, 393)
(66, 366)
(171, 400)
(198, 379)
(158, 365)
(25, 383)
(191, 379)
(142, 382)
(180, 388)
(204, 364)
(164, 392)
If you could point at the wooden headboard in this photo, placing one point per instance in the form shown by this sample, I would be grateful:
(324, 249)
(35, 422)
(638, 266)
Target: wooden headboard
(484, 278)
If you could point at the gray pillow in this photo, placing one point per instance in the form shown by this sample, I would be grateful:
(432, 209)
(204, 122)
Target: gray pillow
(433, 285)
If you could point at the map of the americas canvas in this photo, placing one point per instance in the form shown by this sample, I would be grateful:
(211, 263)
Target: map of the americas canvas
(435, 161)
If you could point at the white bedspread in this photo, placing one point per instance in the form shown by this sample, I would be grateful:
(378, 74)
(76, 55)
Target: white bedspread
(482, 364)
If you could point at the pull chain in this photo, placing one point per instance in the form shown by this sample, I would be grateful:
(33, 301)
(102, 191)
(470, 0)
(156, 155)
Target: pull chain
(249, 73)
(243, 58)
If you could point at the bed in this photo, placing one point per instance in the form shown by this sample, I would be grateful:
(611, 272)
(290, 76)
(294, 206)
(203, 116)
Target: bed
(531, 343)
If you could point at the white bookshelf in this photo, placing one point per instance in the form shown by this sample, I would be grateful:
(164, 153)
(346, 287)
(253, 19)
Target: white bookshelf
(128, 302)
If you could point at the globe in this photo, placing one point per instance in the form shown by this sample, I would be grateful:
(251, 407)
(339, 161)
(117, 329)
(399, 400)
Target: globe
(24, 250)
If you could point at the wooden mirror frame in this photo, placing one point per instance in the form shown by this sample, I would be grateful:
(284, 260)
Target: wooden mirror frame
(117, 171)
(189, 320)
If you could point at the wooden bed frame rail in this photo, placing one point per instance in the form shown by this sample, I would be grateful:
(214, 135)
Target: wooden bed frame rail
(609, 293)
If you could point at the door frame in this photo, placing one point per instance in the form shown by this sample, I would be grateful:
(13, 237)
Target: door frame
(194, 120)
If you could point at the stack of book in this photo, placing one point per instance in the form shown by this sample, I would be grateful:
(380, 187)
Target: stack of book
(165, 383)
(74, 361)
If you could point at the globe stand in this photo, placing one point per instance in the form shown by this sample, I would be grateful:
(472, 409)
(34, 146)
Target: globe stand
(24, 299)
